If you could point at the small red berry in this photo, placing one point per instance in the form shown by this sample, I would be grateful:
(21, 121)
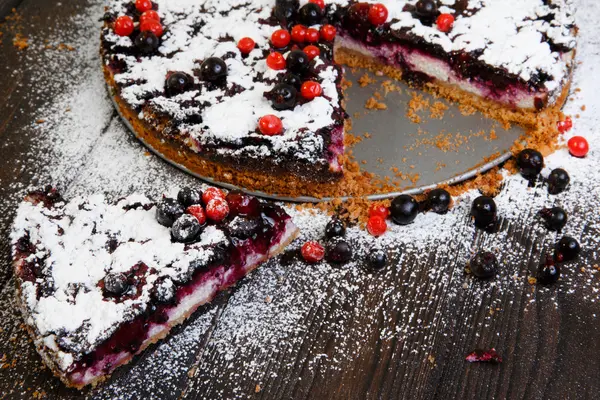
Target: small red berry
(312, 35)
(379, 210)
(280, 38)
(152, 26)
(217, 209)
(246, 45)
(578, 146)
(242, 204)
(566, 125)
(149, 15)
(312, 52)
(310, 90)
(299, 33)
(143, 5)
(124, 26)
(313, 252)
(270, 125)
(212, 193)
(320, 3)
(376, 225)
(276, 61)
(378, 14)
(444, 22)
(198, 212)
(328, 33)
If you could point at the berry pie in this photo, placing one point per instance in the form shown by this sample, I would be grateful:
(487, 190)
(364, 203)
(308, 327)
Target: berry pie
(98, 282)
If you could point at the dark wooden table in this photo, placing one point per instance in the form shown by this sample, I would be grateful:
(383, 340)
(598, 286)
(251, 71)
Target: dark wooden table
(342, 342)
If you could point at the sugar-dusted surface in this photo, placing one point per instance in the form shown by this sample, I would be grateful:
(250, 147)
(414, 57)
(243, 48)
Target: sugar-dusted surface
(315, 332)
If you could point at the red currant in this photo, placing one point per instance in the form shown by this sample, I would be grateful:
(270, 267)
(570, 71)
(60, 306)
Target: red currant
(198, 212)
(444, 22)
(124, 26)
(217, 210)
(376, 225)
(280, 38)
(578, 146)
(149, 15)
(310, 90)
(378, 14)
(152, 26)
(276, 61)
(379, 210)
(312, 252)
(328, 33)
(312, 52)
(212, 193)
(270, 125)
(246, 45)
(143, 5)
(312, 35)
(320, 3)
(299, 33)
(566, 125)
(242, 204)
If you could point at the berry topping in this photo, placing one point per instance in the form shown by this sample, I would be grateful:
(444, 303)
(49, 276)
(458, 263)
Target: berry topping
(312, 52)
(438, 201)
(276, 61)
(270, 125)
(310, 14)
(280, 38)
(242, 204)
(339, 252)
(310, 90)
(285, 10)
(283, 96)
(426, 10)
(320, 3)
(246, 45)
(217, 209)
(335, 228)
(328, 33)
(444, 22)
(116, 284)
(198, 212)
(143, 5)
(147, 42)
(189, 197)
(379, 210)
(186, 229)
(554, 218)
(488, 356)
(292, 80)
(566, 125)
(168, 211)
(484, 265)
(243, 228)
(312, 252)
(177, 83)
(153, 26)
(124, 26)
(213, 69)
(404, 210)
(567, 249)
(378, 14)
(578, 146)
(377, 259)
(297, 61)
(312, 35)
(212, 193)
(376, 225)
(149, 15)
(548, 273)
(530, 163)
(357, 19)
(299, 33)
(558, 180)
(484, 211)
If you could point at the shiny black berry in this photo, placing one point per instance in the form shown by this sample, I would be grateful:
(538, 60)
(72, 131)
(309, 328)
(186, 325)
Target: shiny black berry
(339, 252)
(554, 218)
(438, 201)
(484, 211)
(530, 163)
(484, 265)
(283, 97)
(426, 10)
(335, 228)
(558, 181)
(285, 10)
(356, 20)
(377, 259)
(189, 197)
(404, 210)
(292, 80)
(186, 229)
(548, 273)
(147, 43)
(116, 284)
(168, 211)
(310, 14)
(177, 83)
(297, 61)
(243, 228)
(213, 69)
(567, 249)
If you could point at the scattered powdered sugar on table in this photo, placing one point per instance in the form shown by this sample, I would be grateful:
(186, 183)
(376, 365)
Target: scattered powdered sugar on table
(263, 326)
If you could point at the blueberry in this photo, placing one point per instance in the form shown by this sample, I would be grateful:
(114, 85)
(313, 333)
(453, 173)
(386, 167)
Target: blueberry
(310, 14)
(548, 273)
(554, 218)
(189, 197)
(426, 10)
(177, 83)
(339, 252)
(356, 20)
(163, 291)
(484, 211)
(283, 97)
(335, 228)
(404, 210)
(484, 265)
(530, 163)
(292, 80)
(243, 228)
(438, 201)
(116, 284)
(147, 43)
(377, 259)
(285, 10)
(168, 211)
(297, 61)
(567, 249)
(186, 229)
(558, 181)
(213, 69)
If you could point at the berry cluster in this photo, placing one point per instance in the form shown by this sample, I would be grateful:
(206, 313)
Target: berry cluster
(578, 145)
(149, 27)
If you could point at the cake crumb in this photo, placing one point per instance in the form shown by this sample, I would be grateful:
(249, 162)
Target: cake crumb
(365, 80)
(373, 104)
(257, 389)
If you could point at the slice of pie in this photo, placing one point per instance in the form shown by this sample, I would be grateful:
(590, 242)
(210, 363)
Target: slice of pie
(99, 282)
